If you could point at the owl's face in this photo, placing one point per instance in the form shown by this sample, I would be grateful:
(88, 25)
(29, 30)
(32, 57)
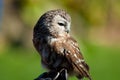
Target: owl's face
(60, 25)
(54, 22)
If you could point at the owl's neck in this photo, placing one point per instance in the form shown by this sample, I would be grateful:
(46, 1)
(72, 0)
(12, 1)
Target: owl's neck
(59, 35)
(53, 38)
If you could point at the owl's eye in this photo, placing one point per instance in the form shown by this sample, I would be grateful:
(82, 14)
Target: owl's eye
(61, 23)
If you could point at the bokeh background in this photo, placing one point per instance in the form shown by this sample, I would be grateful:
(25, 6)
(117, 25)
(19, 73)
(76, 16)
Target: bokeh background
(95, 25)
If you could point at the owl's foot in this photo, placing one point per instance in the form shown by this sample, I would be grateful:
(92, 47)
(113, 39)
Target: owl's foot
(62, 75)
(53, 75)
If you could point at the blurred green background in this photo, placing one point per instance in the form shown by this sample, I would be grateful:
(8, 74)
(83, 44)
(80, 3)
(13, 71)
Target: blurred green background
(95, 25)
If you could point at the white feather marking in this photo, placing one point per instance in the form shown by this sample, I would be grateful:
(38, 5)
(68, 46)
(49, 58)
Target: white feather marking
(73, 46)
(81, 65)
(75, 56)
(79, 61)
(77, 49)
(53, 40)
(68, 51)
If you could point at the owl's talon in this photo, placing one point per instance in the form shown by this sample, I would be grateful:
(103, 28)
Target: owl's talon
(53, 75)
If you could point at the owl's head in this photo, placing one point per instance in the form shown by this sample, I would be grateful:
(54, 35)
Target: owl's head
(54, 22)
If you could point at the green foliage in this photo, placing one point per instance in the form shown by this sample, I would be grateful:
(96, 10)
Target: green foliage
(17, 64)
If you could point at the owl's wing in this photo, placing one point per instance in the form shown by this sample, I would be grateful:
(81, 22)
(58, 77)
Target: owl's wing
(71, 51)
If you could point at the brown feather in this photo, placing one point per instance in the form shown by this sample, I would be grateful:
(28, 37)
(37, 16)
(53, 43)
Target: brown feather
(71, 49)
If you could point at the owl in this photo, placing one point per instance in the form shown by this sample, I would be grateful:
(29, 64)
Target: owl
(58, 50)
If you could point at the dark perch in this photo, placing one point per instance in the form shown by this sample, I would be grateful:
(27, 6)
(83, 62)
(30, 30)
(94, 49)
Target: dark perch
(53, 75)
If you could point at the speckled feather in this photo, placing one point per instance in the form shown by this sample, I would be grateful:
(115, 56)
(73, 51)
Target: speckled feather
(72, 52)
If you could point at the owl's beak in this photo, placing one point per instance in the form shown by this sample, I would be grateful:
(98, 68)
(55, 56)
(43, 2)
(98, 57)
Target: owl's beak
(67, 30)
